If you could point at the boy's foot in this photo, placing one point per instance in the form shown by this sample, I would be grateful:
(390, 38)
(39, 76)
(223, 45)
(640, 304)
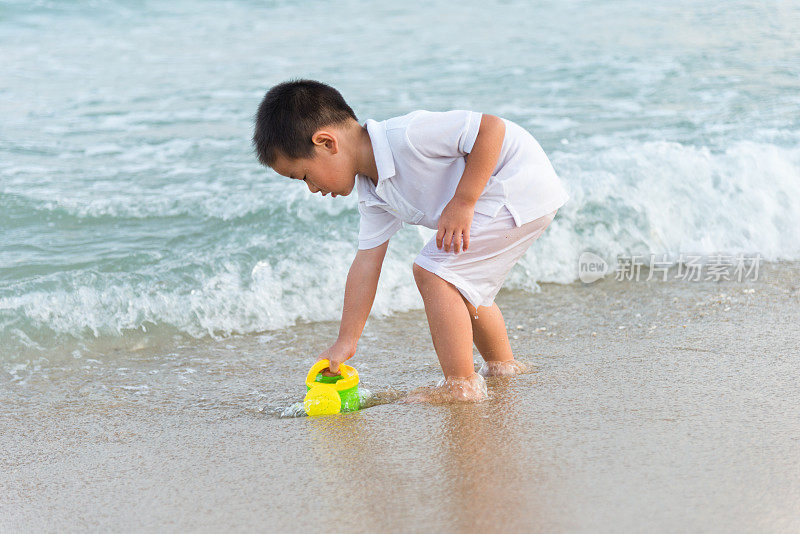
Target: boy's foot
(507, 368)
(467, 389)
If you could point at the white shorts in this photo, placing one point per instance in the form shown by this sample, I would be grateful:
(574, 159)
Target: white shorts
(495, 245)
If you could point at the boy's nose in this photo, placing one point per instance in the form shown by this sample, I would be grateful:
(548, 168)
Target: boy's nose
(311, 188)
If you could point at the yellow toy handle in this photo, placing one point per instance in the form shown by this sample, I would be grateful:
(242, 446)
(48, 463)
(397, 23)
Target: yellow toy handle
(348, 380)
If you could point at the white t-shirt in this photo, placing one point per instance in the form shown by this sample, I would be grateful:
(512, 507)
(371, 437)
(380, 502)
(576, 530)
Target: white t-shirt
(420, 161)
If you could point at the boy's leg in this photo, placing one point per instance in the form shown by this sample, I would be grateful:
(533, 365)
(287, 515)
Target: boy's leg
(449, 321)
(489, 332)
(490, 336)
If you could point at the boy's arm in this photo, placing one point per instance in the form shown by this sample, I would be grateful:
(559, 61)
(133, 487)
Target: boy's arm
(359, 294)
(456, 217)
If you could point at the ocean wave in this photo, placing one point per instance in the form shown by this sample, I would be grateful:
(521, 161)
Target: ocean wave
(636, 198)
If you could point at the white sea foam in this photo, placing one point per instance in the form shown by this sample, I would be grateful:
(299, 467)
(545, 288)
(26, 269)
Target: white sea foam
(654, 197)
(666, 199)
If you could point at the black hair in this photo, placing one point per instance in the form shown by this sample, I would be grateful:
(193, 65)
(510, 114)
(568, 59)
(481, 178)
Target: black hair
(289, 115)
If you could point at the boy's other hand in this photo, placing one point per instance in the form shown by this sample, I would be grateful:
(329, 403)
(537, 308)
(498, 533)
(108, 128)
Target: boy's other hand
(337, 353)
(454, 224)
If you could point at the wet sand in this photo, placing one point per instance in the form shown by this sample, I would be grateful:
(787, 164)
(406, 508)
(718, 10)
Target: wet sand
(653, 406)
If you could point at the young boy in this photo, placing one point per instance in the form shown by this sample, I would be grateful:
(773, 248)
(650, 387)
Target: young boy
(482, 182)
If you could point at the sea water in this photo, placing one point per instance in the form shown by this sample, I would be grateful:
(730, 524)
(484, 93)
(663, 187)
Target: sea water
(131, 202)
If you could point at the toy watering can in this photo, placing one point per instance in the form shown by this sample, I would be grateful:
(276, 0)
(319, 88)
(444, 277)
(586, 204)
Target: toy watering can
(328, 395)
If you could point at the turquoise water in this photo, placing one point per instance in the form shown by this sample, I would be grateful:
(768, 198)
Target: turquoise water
(130, 199)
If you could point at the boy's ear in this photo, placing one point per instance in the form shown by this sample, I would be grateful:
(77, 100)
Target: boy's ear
(326, 139)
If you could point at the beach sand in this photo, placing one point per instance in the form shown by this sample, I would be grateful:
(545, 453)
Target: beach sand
(652, 406)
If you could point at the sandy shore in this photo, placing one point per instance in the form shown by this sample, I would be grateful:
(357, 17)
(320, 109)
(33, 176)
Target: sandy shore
(654, 406)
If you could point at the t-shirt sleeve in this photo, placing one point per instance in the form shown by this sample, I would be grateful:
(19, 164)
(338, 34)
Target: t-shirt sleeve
(444, 133)
(376, 227)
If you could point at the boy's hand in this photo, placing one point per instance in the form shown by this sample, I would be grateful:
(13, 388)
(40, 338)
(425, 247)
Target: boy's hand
(337, 353)
(454, 222)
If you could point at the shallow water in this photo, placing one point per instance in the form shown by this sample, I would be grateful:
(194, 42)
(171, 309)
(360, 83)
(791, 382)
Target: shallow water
(657, 406)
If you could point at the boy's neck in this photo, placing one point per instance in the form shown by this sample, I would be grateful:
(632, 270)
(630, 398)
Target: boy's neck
(365, 156)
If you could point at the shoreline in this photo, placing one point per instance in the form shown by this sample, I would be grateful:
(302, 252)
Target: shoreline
(160, 339)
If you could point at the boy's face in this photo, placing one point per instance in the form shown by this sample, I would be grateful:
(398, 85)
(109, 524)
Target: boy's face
(330, 170)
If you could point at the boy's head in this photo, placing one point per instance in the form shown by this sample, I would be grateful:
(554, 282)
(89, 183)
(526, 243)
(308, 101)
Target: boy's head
(304, 130)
